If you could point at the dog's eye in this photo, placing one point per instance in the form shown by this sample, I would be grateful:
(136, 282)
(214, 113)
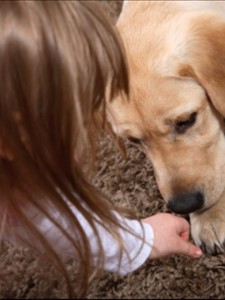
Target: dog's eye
(182, 126)
(134, 140)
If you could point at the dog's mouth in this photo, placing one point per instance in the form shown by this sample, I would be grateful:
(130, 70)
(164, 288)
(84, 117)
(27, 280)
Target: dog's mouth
(186, 202)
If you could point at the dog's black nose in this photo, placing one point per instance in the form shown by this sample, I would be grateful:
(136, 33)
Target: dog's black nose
(185, 203)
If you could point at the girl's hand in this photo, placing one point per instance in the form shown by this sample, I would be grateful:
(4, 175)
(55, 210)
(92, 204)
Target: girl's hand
(171, 236)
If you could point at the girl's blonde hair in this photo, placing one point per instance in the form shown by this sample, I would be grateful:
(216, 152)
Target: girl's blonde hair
(56, 60)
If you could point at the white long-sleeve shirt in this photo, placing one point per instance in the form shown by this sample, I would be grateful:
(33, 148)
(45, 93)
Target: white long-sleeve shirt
(138, 249)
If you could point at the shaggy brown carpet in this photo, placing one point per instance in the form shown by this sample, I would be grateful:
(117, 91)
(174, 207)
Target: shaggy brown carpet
(129, 183)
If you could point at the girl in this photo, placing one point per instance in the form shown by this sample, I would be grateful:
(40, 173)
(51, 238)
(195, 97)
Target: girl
(56, 60)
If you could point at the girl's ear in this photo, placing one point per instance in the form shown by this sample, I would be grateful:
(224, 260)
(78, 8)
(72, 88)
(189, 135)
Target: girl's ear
(205, 58)
(5, 152)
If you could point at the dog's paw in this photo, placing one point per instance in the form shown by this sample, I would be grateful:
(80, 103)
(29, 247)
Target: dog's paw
(208, 231)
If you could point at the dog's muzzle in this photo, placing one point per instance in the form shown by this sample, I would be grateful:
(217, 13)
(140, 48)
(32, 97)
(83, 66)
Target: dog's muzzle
(185, 203)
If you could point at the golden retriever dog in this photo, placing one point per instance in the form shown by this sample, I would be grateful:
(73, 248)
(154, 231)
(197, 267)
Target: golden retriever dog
(176, 107)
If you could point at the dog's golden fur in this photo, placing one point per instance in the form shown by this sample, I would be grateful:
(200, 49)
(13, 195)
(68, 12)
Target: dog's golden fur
(176, 59)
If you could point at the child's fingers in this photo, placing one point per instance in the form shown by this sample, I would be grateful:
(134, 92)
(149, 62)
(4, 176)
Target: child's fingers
(187, 248)
(190, 249)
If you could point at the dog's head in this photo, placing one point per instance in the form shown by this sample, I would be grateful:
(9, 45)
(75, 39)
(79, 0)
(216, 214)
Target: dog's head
(176, 107)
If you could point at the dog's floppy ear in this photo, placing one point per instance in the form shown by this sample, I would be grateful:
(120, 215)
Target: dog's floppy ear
(205, 58)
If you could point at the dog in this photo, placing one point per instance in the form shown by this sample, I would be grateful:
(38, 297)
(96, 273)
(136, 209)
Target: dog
(175, 112)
